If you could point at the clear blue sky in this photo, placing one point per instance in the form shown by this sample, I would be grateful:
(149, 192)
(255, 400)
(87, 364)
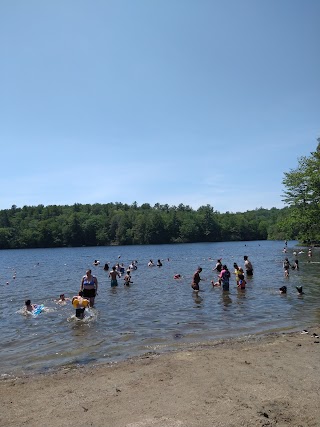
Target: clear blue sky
(156, 101)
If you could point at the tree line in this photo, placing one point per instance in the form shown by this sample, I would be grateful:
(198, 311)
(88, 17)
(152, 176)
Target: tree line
(122, 224)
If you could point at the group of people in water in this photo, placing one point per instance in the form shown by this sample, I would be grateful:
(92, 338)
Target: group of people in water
(224, 275)
(89, 282)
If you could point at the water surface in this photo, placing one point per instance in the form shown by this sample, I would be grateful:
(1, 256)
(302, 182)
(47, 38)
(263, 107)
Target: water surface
(156, 313)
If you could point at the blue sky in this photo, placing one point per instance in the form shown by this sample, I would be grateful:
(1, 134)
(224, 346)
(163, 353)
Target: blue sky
(193, 102)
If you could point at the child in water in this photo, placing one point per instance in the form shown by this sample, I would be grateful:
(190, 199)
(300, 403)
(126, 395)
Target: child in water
(29, 307)
(241, 283)
(127, 279)
(80, 304)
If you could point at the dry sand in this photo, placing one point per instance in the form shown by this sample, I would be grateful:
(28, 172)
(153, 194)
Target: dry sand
(272, 380)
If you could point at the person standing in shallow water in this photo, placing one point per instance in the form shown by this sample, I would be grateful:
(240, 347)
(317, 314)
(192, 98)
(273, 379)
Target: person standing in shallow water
(114, 274)
(248, 266)
(196, 279)
(225, 276)
(89, 287)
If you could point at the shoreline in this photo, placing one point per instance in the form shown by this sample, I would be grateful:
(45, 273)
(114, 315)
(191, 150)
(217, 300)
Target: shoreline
(258, 380)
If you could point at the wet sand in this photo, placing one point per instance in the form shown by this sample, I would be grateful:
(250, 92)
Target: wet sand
(271, 380)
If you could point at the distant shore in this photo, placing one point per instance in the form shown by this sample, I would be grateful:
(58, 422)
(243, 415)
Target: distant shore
(270, 380)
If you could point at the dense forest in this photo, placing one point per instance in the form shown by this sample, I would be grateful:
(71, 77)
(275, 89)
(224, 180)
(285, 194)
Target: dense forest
(123, 224)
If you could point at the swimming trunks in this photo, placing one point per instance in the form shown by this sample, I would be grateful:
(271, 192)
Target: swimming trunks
(114, 282)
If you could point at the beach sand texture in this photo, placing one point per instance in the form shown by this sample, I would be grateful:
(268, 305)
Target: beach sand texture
(271, 380)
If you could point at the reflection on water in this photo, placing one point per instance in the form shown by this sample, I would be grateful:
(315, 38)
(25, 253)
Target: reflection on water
(157, 312)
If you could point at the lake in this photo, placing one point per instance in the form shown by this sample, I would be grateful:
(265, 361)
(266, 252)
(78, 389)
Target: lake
(156, 313)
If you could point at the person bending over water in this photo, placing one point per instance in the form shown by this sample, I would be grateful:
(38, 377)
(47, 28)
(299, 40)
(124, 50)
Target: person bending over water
(89, 287)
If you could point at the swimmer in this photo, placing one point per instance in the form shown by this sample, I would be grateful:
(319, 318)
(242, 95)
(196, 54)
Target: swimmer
(150, 263)
(62, 299)
(28, 306)
(218, 283)
(177, 276)
(96, 262)
(159, 263)
(283, 290)
(299, 289)
(106, 267)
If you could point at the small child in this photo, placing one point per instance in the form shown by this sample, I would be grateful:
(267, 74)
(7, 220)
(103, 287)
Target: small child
(241, 284)
(80, 304)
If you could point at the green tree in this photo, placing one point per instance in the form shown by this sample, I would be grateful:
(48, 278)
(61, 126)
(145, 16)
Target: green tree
(303, 195)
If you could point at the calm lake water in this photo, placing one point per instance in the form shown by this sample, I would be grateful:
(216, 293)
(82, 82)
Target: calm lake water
(155, 314)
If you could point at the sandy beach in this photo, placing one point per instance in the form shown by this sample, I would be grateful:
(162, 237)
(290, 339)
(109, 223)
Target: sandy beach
(270, 380)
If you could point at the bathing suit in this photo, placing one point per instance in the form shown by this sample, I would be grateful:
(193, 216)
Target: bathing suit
(89, 293)
(114, 282)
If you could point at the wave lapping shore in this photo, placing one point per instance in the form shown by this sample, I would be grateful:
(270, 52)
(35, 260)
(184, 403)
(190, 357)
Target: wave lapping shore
(270, 380)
